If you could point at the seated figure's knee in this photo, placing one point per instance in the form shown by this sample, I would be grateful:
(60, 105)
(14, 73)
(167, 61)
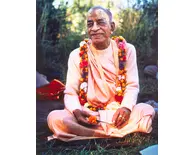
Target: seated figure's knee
(150, 109)
(53, 117)
(143, 106)
(145, 113)
(145, 109)
(145, 124)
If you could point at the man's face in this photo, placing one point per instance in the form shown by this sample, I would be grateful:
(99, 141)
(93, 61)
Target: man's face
(98, 26)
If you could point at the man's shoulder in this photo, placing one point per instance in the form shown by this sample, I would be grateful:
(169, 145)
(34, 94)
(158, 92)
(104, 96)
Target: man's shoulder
(75, 52)
(130, 47)
(74, 56)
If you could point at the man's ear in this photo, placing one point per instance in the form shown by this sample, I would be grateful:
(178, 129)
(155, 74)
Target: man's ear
(112, 26)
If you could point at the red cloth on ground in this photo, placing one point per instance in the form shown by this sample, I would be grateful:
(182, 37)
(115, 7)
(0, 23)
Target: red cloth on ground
(52, 91)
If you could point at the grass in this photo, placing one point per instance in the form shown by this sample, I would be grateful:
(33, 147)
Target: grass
(129, 145)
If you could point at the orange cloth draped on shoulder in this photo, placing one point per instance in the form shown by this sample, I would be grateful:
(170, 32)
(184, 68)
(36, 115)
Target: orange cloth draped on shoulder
(63, 123)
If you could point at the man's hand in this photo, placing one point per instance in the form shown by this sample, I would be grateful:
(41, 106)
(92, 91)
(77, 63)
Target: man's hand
(121, 117)
(81, 117)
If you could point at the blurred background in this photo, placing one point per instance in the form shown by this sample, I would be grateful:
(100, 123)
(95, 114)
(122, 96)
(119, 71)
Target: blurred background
(61, 25)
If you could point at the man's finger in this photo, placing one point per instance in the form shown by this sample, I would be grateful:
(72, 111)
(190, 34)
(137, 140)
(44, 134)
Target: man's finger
(122, 125)
(115, 116)
(86, 114)
(120, 119)
(83, 121)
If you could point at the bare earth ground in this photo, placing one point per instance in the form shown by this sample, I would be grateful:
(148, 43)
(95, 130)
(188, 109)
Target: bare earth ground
(130, 145)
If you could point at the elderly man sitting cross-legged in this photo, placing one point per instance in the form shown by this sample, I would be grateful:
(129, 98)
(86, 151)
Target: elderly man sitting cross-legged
(102, 85)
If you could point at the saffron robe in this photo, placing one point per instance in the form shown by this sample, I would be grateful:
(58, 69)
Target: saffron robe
(101, 89)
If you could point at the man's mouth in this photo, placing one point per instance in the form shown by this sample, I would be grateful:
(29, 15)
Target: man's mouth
(96, 35)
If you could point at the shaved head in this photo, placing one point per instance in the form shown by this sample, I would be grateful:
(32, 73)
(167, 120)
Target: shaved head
(100, 26)
(107, 11)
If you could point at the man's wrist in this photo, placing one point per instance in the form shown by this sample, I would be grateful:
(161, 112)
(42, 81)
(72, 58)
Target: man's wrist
(76, 112)
(127, 109)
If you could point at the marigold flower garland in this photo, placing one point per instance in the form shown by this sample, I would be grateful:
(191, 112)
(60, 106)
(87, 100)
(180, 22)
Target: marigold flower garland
(84, 72)
(92, 119)
(121, 78)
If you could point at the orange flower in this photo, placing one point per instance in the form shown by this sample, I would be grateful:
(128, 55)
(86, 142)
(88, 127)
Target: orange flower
(122, 80)
(81, 79)
(119, 92)
(86, 40)
(92, 119)
(123, 84)
(94, 109)
(121, 72)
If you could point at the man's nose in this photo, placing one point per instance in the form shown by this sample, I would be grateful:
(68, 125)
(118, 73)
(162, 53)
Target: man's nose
(95, 27)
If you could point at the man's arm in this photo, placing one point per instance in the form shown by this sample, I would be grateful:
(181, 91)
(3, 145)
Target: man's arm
(132, 88)
(71, 100)
(122, 115)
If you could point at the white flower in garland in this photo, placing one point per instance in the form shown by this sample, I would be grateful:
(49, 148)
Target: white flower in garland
(118, 88)
(122, 77)
(86, 105)
(82, 43)
(84, 86)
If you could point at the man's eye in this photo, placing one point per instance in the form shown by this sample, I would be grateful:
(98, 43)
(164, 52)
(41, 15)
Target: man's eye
(102, 23)
(89, 24)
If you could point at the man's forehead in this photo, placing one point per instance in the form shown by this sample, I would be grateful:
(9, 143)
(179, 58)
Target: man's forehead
(97, 13)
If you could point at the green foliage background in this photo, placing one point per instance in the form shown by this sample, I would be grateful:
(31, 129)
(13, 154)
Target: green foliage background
(58, 34)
